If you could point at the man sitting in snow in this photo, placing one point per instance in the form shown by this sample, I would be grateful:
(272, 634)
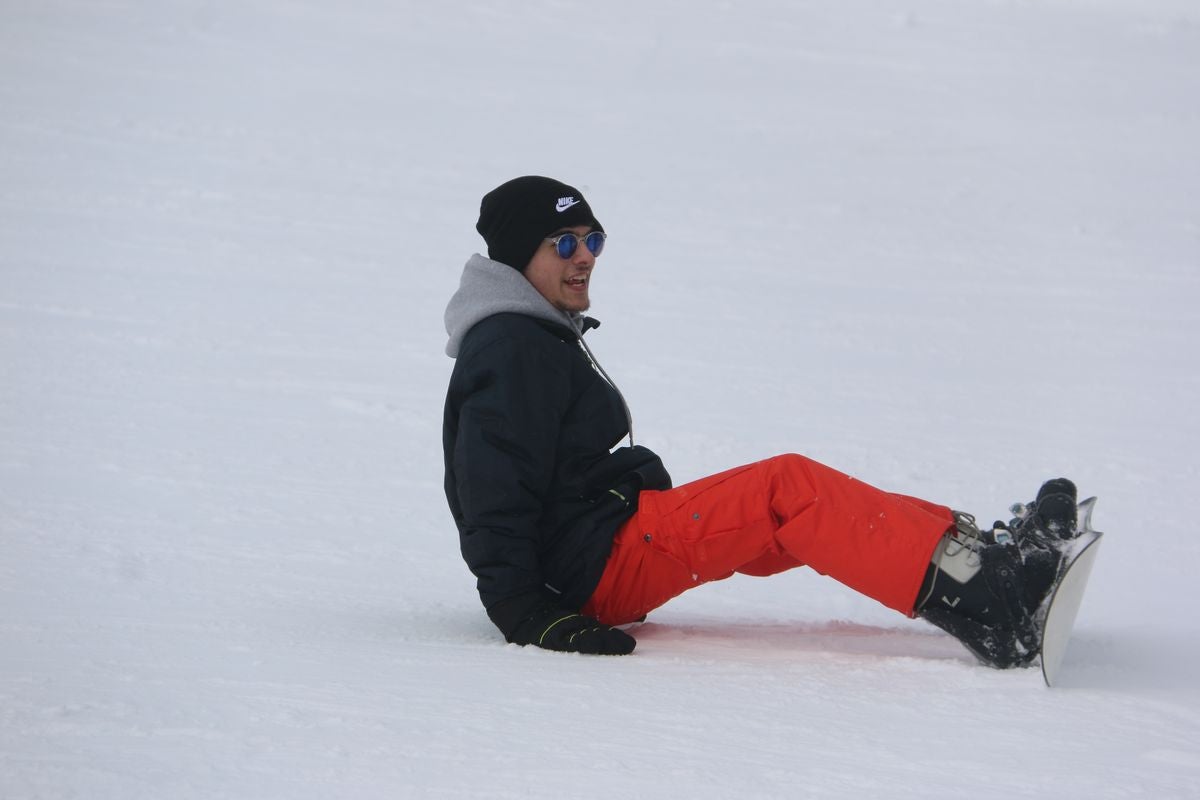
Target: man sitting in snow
(570, 534)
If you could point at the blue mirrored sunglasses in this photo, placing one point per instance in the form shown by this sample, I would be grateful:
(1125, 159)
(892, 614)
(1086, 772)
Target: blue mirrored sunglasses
(567, 243)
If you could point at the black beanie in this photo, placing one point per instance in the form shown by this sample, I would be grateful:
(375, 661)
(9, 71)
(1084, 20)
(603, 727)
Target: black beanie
(516, 216)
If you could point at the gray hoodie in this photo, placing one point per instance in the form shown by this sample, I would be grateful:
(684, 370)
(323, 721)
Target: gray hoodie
(488, 287)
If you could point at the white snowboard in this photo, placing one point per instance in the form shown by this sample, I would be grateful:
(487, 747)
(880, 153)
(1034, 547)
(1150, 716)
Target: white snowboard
(1068, 594)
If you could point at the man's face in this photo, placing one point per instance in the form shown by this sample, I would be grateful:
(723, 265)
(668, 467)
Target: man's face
(563, 281)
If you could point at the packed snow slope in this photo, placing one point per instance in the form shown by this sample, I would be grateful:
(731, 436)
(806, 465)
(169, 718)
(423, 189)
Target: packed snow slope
(948, 246)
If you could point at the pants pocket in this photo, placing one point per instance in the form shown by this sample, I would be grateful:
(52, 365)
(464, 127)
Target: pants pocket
(713, 526)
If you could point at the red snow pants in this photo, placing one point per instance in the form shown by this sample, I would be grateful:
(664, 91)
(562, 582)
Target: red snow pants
(765, 518)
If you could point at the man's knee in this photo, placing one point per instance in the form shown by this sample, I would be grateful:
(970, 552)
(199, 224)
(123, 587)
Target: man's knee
(789, 461)
(791, 468)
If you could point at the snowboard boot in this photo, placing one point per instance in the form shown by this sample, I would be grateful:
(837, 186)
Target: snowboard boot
(1055, 508)
(975, 590)
(1042, 530)
(987, 588)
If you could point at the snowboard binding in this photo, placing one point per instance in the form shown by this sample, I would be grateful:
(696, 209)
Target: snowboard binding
(990, 589)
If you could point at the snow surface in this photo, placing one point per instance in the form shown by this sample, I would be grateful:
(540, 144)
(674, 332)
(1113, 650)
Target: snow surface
(948, 246)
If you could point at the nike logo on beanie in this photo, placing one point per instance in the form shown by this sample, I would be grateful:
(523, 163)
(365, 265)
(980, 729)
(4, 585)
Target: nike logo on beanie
(564, 203)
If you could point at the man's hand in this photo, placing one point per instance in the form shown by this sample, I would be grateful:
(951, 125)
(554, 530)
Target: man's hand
(568, 632)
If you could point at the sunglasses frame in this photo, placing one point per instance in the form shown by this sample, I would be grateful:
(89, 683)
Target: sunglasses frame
(558, 248)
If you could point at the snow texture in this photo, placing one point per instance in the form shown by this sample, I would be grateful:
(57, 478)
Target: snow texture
(948, 246)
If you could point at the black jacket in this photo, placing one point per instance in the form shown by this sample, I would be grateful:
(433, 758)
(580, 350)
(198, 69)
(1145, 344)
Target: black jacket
(528, 433)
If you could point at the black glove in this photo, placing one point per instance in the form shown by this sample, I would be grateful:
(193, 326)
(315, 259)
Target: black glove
(568, 632)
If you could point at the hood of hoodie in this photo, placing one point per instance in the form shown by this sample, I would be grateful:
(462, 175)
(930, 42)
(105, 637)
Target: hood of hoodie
(488, 287)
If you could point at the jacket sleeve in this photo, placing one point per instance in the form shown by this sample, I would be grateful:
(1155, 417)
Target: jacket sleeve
(512, 402)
